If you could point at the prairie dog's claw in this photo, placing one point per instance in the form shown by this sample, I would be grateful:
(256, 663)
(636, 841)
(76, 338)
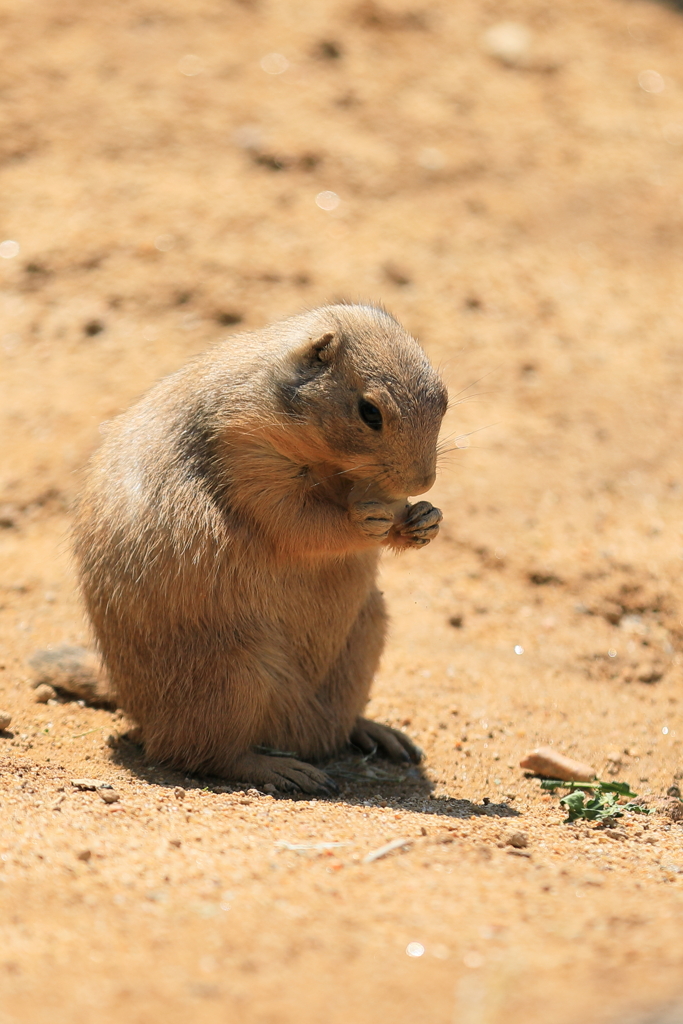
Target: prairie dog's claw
(287, 774)
(420, 525)
(369, 735)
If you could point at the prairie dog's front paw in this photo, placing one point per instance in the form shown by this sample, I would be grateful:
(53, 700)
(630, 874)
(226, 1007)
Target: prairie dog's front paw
(373, 518)
(420, 525)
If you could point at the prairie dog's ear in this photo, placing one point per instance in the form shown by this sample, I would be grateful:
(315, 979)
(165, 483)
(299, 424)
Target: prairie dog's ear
(308, 358)
(322, 350)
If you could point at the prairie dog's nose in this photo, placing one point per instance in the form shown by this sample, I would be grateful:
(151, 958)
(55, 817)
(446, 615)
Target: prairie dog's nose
(423, 483)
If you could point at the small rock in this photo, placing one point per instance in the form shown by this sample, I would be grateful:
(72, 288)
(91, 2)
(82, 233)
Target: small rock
(174, 842)
(253, 793)
(270, 788)
(179, 793)
(84, 855)
(91, 784)
(615, 833)
(110, 796)
(673, 809)
(509, 42)
(519, 840)
(5, 719)
(43, 693)
(549, 763)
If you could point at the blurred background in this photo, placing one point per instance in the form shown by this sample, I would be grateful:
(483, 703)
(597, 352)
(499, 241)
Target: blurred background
(506, 176)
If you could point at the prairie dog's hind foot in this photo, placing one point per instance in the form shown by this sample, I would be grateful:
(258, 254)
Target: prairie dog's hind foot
(285, 773)
(369, 735)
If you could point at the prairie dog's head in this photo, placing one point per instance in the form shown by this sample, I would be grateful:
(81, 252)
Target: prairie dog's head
(363, 399)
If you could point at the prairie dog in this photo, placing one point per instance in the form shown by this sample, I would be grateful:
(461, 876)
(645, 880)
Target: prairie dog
(228, 536)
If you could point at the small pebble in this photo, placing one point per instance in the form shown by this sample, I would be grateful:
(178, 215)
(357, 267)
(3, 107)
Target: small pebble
(43, 693)
(270, 788)
(519, 840)
(509, 42)
(615, 833)
(110, 796)
(5, 719)
(179, 793)
(84, 855)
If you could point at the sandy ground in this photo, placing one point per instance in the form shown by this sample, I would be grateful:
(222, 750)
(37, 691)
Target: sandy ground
(523, 217)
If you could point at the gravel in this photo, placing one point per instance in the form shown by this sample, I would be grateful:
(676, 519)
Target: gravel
(43, 693)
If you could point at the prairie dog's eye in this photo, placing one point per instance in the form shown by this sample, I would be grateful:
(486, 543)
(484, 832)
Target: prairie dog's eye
(370, 414)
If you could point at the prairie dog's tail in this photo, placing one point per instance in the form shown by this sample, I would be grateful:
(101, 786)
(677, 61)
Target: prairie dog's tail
(74, 671)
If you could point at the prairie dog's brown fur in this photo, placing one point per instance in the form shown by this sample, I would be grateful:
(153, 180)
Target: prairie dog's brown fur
(228, 536)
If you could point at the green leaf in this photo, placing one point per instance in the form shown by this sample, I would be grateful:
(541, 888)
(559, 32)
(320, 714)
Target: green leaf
(600, 806)
(622, 788)
(603, 803)
(638, 808)
(574, 804)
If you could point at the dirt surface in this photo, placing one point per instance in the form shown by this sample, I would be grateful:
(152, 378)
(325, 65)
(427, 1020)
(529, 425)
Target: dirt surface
(519, 206)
